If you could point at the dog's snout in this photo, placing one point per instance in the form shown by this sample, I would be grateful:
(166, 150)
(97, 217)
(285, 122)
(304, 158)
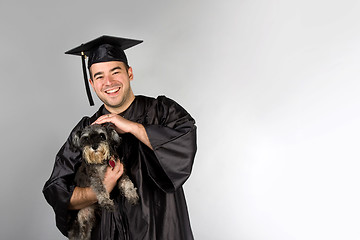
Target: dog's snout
(95, 146)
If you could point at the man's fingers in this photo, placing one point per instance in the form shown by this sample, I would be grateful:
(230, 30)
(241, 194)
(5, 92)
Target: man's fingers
(119, 167)
(104, 118)
(121, 170)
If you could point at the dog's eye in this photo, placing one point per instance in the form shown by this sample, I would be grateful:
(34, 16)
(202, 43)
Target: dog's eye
(84, 140)
(102, 136)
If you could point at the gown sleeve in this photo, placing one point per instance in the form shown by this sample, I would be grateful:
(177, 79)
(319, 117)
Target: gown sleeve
(172, 134)
(60, 186)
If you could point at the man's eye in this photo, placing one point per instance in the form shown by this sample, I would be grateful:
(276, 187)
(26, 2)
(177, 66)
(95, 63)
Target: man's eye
(99, 78)
(116, 73)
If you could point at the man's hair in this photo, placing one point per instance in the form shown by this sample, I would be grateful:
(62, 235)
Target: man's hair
(126, 68)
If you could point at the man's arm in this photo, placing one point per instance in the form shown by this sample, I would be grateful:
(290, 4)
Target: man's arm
(81, 198)
(140, 133)
(84, 197)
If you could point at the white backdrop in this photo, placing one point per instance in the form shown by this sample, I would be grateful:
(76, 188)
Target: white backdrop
(274, 87)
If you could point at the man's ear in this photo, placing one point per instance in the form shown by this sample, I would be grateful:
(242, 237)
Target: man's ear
(130, 73)
(91, 83)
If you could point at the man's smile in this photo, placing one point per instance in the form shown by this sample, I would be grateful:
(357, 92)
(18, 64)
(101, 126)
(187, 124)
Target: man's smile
(112, 90)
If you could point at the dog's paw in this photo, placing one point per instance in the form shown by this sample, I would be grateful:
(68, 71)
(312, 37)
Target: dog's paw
(107, 204)
(128, 189)
(133, 198)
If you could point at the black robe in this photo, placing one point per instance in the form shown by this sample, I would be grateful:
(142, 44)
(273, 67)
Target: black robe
(158, 175)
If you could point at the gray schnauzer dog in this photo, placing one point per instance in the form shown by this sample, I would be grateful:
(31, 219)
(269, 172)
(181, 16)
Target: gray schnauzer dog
(98, 144)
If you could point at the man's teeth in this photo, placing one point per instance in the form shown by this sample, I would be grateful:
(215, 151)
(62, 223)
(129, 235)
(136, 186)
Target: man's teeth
(112, 90)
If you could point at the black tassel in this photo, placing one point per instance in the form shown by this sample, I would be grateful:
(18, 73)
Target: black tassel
(88, 92)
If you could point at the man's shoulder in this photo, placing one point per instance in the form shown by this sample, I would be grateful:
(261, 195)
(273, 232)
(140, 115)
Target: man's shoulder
(84, 121)
(96, 115)
(162, 105)
(159, 99)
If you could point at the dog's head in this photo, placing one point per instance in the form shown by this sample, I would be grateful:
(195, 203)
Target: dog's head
(95, 142)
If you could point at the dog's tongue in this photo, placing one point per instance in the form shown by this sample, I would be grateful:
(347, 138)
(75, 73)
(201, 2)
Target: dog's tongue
(112, 163)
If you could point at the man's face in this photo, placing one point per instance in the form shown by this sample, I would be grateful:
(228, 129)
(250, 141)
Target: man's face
(111, 82)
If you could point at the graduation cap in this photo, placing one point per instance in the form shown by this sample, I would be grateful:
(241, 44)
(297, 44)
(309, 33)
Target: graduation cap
(102, 49)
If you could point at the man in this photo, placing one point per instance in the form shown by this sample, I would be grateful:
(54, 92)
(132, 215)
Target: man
(159, 139)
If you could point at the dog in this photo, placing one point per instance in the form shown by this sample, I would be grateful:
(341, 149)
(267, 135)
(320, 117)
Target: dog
(98, 144)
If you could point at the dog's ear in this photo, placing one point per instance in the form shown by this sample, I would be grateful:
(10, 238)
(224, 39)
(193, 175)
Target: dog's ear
(76, 139)
(114, 135)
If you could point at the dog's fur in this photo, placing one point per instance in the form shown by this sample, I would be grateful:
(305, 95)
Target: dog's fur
(98, 144)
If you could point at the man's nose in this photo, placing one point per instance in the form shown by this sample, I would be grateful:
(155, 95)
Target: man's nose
(109, 79)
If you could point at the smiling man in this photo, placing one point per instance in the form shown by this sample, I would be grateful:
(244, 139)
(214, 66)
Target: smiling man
(159, 147)
(111, 82)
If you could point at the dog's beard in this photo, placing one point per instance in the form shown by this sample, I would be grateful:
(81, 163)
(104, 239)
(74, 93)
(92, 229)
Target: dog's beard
(97, 156)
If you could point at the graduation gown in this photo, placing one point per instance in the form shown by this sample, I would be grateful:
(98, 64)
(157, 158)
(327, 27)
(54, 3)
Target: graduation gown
(158, 175)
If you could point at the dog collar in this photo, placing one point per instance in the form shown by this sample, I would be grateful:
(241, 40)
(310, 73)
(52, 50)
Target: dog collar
(111, 162)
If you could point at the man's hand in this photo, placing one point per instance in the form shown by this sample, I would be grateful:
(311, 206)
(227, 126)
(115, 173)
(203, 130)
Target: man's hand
(112, 175)
(84, 197)
(123, 125)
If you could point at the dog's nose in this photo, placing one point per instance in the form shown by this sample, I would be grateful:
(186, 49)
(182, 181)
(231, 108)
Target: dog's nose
(95, 146)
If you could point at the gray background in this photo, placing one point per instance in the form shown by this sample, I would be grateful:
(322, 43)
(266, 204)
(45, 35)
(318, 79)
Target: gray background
(273, 85)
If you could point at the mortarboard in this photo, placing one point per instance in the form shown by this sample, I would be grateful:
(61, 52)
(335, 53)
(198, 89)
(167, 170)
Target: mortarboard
(102, 49)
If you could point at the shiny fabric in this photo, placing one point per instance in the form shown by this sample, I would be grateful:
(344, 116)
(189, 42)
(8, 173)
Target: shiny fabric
(158, 174)
(106, 53)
